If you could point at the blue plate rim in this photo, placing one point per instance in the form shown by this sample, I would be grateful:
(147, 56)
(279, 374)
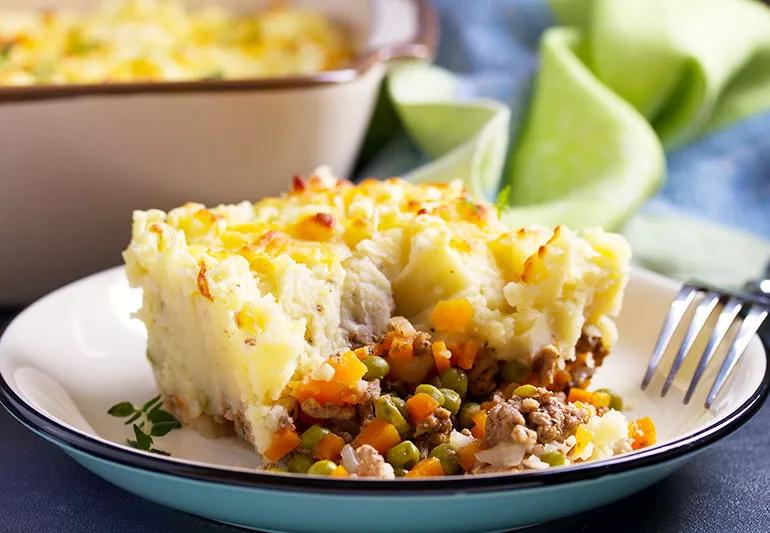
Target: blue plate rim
(114, 453)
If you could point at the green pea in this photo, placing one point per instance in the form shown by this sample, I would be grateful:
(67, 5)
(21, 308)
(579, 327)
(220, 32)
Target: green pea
(447, 456)
(616, 401)
(553, 458)
(403, 455)
(455, 379)
(467, 410)
(515, 371)
(431, 391)
(300, 463)
(322, 468)
(525, 391)
(376, 367)
(400, 405)
(312, 436)
(384, 409)
(452, 400)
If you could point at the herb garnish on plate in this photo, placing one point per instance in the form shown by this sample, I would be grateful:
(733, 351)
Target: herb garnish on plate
(149, 421)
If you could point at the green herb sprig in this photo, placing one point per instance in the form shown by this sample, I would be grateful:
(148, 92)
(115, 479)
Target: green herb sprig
(503, 201)
(149, 421)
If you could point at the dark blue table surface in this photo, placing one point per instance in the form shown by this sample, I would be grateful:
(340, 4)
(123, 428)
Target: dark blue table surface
(725, 488)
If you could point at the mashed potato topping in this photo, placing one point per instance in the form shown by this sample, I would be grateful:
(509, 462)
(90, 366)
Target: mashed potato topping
(246, 304)
(163, 40)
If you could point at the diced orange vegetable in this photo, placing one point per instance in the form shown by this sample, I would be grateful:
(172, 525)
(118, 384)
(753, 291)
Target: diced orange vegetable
(579, 395)
(466, 457)
(465, 354)
(401, 348)
(378, 434)
(363, 352)
(284, 440)
(339, 472)
(348, 369)
(642, 431)
(479, 424)
(561, 379)
(329, 447)
(421, 406)
(452, 315)
(342, 388)
(426, 468)
(583, 437)
(442, 356)
(601, 399)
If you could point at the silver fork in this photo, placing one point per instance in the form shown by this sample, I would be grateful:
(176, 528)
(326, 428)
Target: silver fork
(754, 301)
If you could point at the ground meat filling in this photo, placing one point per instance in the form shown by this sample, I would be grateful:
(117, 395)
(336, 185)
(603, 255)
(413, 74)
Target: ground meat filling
(523, 418)
(482, 377)
(433, 431)
(372, 464)
(589, 355)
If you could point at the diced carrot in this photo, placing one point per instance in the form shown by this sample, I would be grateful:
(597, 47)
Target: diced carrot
(466, 457)
(561, 379)
(342, 388)
(465, 354)
(401, 348)
(284, 440)
(642, 431)
(363, 352)
(339, 472)
(579, 395)
(378, 434)
(479, 424)
(452, 315)
(348, 369)
(329, 447)
(426, 468)
(421, 406)
(442, 356)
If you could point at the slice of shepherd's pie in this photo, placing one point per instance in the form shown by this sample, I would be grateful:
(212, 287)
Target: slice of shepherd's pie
(386, 326)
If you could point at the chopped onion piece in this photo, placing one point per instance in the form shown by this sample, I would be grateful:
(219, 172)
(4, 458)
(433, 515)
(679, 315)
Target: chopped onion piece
(504, 454)
(458, 441)
(349, 459)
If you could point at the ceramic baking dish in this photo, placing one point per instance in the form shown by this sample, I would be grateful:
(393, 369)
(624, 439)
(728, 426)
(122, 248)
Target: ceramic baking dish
(75, 160)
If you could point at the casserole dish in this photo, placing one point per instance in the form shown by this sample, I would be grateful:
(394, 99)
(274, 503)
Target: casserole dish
(76, 159)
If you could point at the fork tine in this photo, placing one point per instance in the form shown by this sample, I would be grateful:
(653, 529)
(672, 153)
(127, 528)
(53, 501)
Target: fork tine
(675, 313)
(702, 312)
(724, 321)
(751, 323)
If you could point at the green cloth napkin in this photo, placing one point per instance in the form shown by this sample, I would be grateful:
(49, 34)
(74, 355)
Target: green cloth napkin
(625, 79)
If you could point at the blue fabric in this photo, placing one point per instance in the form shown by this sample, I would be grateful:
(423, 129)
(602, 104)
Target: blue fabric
(724, 176)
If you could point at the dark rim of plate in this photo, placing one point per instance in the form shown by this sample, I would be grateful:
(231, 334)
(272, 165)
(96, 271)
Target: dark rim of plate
(124, 456)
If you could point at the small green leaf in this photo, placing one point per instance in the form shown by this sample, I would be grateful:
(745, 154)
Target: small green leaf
(150, 403)
(136, 415)
(159, 452)
(121, 409)
(503, 201)
(159, 415)
(143, 440)
(161, 428)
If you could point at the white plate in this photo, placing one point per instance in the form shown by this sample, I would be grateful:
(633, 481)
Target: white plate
(70, 356)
